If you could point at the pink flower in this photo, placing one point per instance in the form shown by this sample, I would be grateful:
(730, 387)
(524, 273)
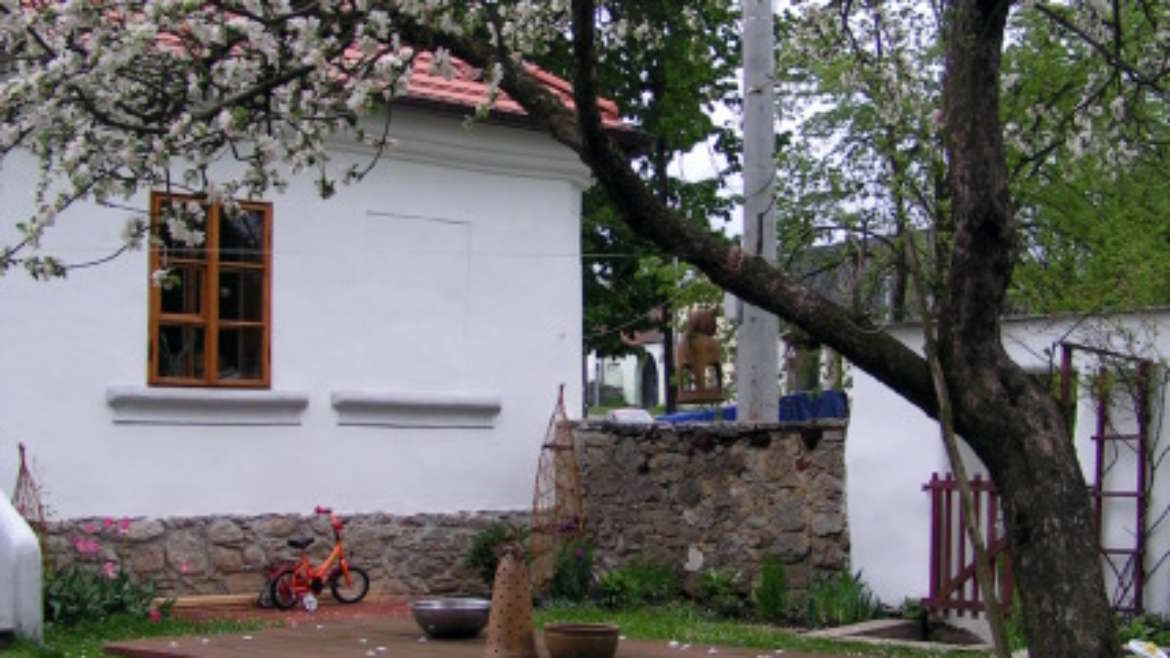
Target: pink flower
(154, 615)
(107, 523)
(89, 528)
(86, 546)
(110, 570)
(184, 567)
(124, 525)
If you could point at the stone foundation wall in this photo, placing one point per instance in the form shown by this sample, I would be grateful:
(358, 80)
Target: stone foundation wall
(418, 554)
(717, 495)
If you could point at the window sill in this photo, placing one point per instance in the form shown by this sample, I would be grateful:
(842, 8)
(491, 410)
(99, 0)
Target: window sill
(202, 406)
(391, 409)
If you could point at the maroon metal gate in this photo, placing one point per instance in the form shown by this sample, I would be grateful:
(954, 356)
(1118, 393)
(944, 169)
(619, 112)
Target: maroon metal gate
(953, 586)
(1125, 560)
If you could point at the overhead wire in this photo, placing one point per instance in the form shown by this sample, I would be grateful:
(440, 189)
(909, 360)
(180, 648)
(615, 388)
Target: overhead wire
(644, 314)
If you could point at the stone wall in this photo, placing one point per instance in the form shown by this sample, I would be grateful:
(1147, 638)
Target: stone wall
(717, 495)
(418, 554)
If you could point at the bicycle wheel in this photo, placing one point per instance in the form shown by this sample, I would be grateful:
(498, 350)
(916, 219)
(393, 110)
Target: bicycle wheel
(353, 591)
(284, 595)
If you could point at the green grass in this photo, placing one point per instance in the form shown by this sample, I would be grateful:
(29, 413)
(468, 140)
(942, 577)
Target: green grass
(688, 625)
(86, 639)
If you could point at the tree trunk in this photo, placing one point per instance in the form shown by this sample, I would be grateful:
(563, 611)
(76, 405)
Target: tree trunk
(668, 365)
(898, 291)
(1014, 425)
(1054, 544)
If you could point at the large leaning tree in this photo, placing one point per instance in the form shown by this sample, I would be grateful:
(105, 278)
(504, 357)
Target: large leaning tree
(112, 96)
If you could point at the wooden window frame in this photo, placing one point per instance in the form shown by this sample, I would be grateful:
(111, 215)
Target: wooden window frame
(208, 318)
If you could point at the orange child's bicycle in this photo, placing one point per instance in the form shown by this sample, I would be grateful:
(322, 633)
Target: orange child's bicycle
(303, 581)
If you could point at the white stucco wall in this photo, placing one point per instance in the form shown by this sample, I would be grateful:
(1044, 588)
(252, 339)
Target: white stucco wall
(893, 448)
(450, 274)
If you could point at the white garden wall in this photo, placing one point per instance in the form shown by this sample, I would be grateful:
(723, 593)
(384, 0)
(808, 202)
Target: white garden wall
(893, 448)
(442, 291)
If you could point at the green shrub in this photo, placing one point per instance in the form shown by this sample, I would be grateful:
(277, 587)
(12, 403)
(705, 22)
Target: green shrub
(1149, 627)
(572, 571)
(912, 609)
(616, 589)
(481, 555)
(839, 599)
(772, 593)
(76, 595)
(1014, 625)
(638, 582)
(719, 593)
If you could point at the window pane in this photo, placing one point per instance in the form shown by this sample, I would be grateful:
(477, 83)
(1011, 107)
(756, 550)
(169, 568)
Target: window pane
(239, 353)
(241, 294)
(180, 351)
(182, 229)
(241, 236)
(183, 291)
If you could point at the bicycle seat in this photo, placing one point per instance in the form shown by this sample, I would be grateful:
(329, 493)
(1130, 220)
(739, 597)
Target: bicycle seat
(301, 543)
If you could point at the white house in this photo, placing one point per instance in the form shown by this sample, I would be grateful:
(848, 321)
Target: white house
(893, 448)
(639, 377)
(396, 348)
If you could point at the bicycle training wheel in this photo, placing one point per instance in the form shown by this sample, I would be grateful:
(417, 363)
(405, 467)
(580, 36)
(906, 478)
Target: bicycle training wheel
(353, 591)
(283, 594)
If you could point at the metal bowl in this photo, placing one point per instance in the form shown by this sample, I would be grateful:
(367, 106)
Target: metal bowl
(451, 618)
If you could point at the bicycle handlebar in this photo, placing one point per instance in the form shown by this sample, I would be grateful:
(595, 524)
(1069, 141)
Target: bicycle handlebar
(334, 520)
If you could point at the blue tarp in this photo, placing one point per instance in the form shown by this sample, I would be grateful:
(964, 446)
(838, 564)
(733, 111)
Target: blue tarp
(798, 406)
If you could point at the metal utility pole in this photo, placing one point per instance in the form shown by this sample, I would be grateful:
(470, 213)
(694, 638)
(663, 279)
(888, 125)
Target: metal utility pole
(757, 359)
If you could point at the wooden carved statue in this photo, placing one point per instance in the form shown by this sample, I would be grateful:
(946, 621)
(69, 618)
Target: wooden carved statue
(700, 360)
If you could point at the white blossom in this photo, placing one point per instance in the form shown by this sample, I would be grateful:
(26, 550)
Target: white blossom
(159, 277)
(441, 63)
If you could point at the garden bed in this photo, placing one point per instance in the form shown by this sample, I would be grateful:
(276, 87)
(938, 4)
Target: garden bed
(934, 636)
(937, 632)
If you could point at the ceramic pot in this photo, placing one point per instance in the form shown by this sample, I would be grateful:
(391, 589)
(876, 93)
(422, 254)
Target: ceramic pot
(581, 640)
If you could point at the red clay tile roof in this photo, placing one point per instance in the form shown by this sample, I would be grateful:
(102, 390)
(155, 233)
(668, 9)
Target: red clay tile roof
(466, 89)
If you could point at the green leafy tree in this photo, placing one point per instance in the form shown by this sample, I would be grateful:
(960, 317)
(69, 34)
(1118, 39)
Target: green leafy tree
(1086, 156)
(1088, 159)
(866, 162)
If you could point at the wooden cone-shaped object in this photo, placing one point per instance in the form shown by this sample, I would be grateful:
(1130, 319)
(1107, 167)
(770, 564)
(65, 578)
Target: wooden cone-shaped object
(509, 631)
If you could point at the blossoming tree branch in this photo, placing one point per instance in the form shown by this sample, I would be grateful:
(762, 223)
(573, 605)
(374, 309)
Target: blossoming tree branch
(114, 97)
